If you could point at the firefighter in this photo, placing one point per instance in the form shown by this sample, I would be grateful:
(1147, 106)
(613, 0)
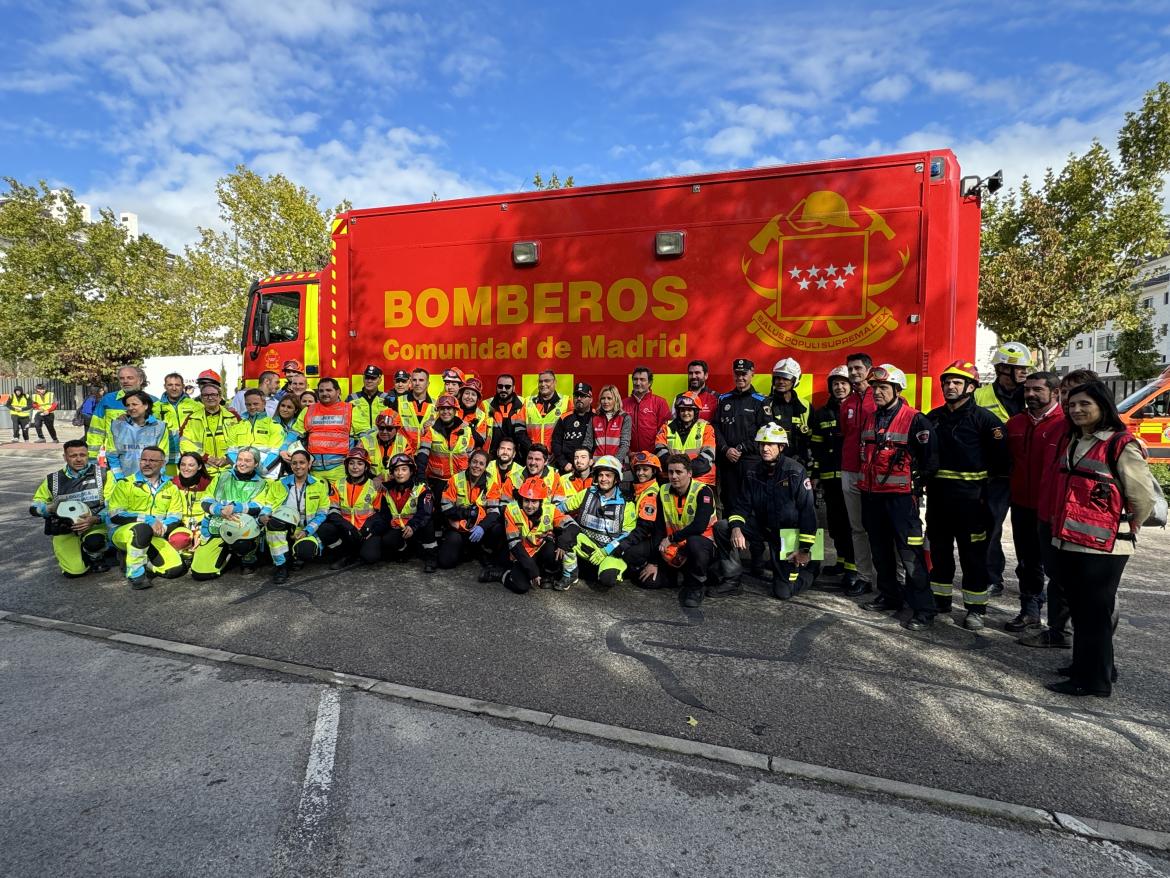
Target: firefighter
(235, 501)
(472, 411)
(542, 411)
(785, 408)
(855, 409)
(687, 513)
(640, 549)
(292, 369)
(305, 503)
(776, 507)
(740, 416)
(536, 465)
(173, 408)
(689, 434)
(451, 443)
(602, 520)
(328, 430)
(452, 381)
(417, 410)
(580, 478)
(574, 430)
(899, 453)
(131, 431)
(256, 430)
(825, 471)
(79, 541)
(367, 403)
(352, 531)
(205, 431)
(1004, 398)
(473, 519)
(972, 450)
(389, 440)
(411, 508)
(530, 525)
(45, 407)
(140, 509)
(504, 473)
(506, 415)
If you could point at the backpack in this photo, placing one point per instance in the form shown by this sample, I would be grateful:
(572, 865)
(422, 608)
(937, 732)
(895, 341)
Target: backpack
(1159, 514)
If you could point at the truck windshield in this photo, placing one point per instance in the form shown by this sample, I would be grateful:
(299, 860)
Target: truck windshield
(1136, 397)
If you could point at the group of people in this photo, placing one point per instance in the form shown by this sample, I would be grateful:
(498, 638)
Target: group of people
(544, 490)
(40, 408)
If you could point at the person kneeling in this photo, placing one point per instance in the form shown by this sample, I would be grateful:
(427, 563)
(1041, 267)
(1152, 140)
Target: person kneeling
(776, 506)
(297, 515)
(236, 499)
(143, 506)
(603, 519)
(352, 531)
(530, 522)
(640, 549)
(687, 513)
(474, 526)
(412, 513)
(72, 501)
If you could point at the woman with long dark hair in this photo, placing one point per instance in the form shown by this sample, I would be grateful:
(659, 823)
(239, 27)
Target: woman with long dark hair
(1102, 496)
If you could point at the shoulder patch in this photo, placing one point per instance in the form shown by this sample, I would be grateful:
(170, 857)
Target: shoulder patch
(808, 484)
(997, 432)
(923, 436)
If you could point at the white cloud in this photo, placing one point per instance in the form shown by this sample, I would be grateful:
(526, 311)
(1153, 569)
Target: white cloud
(37, 83)
(889, 88)
(736, 141)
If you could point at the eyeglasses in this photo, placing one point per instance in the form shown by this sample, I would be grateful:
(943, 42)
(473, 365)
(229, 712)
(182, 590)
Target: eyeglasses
(503, 387)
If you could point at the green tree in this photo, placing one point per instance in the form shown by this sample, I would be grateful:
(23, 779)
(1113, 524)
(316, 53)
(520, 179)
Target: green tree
(553, 182)
(80, 298)
(1136, 353)
(1060, 258)
(270, 225)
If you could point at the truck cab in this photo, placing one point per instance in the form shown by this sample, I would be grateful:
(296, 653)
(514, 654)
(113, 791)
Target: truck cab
(1146, 414)
(281, 324)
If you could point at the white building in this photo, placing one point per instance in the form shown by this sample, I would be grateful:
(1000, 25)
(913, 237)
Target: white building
(1093, 350)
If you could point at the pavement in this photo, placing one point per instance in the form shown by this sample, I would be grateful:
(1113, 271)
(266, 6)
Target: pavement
(123, 761)
(815, 679)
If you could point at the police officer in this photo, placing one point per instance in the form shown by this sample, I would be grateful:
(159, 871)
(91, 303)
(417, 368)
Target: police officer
(574, 430)
(825, 443)
(1004, 398)
(79, 542)
(739, 418)
(787, 409)
(776, 507)
(898, 454)
(401, 389)
(972, 450)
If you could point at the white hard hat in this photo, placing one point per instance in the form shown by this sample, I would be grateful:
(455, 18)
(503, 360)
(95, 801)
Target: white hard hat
(286, 514)
(839, 372)
(772, 434)
(609, 462)
(245, 527)
(887, 373)
(72, 509)
(1012, 353)
(787, 368)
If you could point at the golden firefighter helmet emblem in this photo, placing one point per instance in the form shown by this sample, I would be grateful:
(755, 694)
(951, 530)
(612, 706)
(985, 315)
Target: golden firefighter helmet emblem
(822, 270)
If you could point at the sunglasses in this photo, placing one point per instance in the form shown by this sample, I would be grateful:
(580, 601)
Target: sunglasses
(504, 387)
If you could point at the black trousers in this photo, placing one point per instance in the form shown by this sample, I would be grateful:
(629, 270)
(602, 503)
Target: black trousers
(699, 553)
(837, 519)
(46, 420)
(731, 567)
(1090, 586)
(637, 558)
(895, 532)
(19, 426)
(395, 547)
(526, 568)
(957, 522)
(1059, 622)
(999, 498)
(730, 478)
(455, 546)
(1029, 559)
(342, 540)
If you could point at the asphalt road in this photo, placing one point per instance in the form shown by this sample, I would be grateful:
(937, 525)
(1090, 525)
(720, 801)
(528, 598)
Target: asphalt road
(815, 679)
(121, 761)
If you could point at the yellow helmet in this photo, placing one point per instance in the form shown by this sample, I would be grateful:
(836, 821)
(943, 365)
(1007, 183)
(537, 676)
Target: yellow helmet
(819, 210)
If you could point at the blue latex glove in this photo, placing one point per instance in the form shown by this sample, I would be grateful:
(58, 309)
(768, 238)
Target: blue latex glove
(476, 534)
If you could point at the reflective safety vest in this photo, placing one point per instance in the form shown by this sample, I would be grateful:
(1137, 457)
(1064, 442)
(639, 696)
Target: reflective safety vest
(678, 511)
(355, 502)
(365, 411)
(125, 441)
(416, 418)
(380, 454)
(885, 456)
(986, 397)
(88, 486)
(245, 495)
(262, 433)
(310, 501)
(19, 406)
(646, 498)
(461, 493)
(603, 519)
(557, 487)
(207, 435)
(449, 453)
(503, 484)
(403, 508)
(575, 486)
(1089, 502)
(138, 497)
(173, 414)
(191, 511)
(520, 529)
(327, 430)
(698, 436)
(43, 402)
(539, 423)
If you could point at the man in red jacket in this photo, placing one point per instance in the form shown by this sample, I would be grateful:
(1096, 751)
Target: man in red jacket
(1027, 432)
(647, 411)
(855, 408)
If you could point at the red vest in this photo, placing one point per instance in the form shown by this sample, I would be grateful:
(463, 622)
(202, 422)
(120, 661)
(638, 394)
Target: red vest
(607, 433)
(1088, 503)
(328, 427)
(855, 408)
(885, 457)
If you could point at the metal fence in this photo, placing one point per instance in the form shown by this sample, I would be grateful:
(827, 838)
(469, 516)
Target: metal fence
(68, 396)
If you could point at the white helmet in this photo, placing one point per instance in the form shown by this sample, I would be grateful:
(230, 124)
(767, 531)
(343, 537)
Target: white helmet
(839, 372)
(286, 514)
(609, 462)
(887, 374)
(772, 434)
(245, 527)
(1013, 353)
(787, 368)
(72, 509)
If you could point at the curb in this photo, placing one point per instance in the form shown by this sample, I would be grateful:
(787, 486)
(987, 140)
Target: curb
(1084, 827)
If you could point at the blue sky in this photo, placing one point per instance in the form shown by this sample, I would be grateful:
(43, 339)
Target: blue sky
(140, 106)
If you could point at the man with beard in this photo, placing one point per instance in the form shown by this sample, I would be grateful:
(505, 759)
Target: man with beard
(697, 372)
(574, 430)
(506, 416)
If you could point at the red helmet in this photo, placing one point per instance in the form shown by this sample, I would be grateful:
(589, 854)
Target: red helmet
(292, 366)
(388, 418)
(962, 369)
(645, 458)
(209, 376)
(472, 384)
(533, 488)
(446, 401)
(358, 453)
(452, 374)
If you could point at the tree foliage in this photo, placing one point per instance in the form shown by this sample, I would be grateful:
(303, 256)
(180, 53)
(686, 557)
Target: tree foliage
(1060, 258)
(553, 182)
(77, 296)
(1136, 353)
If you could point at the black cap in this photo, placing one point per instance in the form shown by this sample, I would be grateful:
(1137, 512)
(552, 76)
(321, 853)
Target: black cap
(401, 375)
(372, 372)
(742, 365)
(583, 389)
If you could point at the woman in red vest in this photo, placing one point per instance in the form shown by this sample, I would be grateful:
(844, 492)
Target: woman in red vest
(1102, 495)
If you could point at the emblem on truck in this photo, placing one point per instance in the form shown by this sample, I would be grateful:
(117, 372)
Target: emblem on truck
(822, 296)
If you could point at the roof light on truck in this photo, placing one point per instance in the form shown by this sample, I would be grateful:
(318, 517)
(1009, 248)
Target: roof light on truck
(669, 243)
(526, 253)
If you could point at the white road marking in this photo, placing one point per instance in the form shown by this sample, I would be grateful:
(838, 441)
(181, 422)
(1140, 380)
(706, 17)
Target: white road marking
(1144, 591)
(319, 772)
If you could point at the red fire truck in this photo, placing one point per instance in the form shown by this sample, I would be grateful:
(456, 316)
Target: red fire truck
(810, 261)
